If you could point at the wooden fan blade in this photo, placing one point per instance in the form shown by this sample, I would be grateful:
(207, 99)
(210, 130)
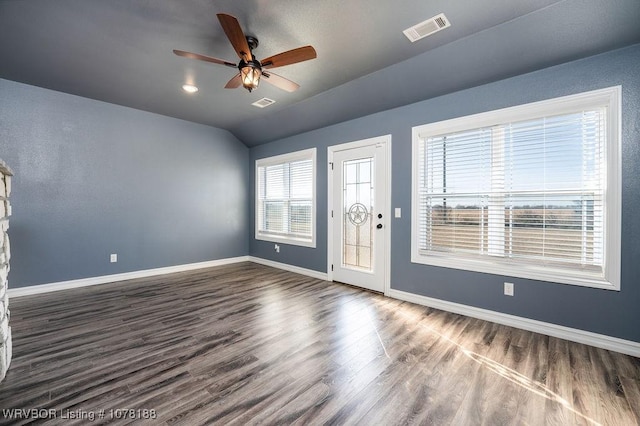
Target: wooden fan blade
(290, 57)
(236, 36)
(203, 58)
(234, 83)
(280, 82)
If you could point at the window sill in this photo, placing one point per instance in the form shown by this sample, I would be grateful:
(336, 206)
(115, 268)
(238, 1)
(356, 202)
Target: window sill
(287, 240)
(521, 270)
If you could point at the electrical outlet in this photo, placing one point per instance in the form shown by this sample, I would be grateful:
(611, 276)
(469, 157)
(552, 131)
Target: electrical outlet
(113, 258)
(277, 248)
(508, 289)
(398, 212)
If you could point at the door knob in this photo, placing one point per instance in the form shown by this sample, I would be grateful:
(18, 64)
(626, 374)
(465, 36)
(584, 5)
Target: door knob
(379, 226)
(379, 215)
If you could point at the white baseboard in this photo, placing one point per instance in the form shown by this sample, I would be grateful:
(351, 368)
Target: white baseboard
(573, 334)
(84, 282)
(298, 270)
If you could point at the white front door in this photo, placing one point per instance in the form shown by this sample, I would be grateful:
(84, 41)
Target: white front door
(359, 213)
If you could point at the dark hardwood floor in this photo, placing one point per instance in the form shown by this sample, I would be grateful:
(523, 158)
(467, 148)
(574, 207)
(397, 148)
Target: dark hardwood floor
(247, 344)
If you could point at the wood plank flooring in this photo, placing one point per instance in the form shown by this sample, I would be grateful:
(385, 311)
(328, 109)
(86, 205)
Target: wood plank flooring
(248, 344)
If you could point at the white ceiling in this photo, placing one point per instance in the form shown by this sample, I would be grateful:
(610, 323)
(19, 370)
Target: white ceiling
(120, 51)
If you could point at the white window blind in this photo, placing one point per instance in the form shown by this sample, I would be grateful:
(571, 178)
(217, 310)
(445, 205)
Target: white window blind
(285, 198)
(529, 193)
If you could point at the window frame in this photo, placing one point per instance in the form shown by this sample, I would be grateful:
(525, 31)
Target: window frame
(610, 278)
(307, 154)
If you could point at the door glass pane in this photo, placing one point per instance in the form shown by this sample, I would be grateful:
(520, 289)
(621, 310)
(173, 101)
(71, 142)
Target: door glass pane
(357, 219)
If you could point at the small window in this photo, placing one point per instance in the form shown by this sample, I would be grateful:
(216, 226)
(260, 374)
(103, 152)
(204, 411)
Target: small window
(531, 191)
(285, 198)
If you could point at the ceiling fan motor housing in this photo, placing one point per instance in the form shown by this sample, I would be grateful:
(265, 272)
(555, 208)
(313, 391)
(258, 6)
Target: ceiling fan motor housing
(252, 42)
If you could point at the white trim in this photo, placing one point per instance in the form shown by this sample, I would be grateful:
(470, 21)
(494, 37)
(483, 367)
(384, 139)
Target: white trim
(296, 269)
(329, 213)
(613, 224)
(386, 141)
(105, 279)
(389, 221)
(555, 106)
(305, 154)
(288, 157)
(611, 98)
(272, 238)
(573, 334)
(359, 143)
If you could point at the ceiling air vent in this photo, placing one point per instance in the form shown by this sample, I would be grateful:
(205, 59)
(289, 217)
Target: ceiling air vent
(264, 102)
(428, 27)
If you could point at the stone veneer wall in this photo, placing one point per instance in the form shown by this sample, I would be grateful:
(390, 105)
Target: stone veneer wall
(5, 255)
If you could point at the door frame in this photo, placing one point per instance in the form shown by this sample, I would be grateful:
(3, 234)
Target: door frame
(385, 141)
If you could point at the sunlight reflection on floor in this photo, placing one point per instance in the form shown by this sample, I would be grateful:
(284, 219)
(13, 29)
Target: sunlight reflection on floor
(354, 318)
(503, 371)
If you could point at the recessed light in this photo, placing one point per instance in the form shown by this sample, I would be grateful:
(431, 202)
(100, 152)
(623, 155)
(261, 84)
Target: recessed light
(189, 88)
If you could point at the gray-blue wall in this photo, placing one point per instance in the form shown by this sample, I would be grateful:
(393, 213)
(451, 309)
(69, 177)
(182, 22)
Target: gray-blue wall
(601, 311)
(93, 178)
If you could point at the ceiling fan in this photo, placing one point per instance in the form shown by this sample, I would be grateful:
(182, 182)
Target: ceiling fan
(251, 69)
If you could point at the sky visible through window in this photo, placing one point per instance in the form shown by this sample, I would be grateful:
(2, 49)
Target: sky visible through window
(530, 189)
(557, 154)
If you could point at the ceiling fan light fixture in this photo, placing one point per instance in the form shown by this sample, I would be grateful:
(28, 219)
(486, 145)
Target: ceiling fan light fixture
(250, 73)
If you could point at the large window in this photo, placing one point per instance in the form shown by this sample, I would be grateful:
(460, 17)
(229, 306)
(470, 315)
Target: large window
(285, 198)
(531, 191)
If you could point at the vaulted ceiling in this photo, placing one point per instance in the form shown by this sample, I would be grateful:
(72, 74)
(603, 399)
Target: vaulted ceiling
(120, 51)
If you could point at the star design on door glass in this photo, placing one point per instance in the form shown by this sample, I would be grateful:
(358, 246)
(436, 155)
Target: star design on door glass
(358, 214)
